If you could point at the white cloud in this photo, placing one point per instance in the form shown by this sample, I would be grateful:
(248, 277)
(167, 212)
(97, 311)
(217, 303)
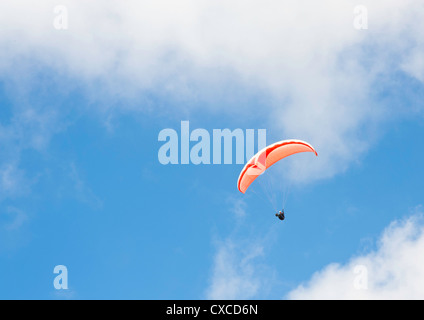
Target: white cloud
(322, 79)
(395, 270)
(236, 272)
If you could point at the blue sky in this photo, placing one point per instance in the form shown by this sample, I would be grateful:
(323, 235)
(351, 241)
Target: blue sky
(81, 184)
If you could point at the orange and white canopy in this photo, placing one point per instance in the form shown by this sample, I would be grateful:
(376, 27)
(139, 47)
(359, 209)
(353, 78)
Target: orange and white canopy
(267, 157)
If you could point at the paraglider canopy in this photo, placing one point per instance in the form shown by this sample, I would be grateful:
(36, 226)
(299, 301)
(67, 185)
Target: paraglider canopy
(267, 157)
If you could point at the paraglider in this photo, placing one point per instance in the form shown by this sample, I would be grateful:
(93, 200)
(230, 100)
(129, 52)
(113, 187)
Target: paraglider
(268, 156)
(280, 215)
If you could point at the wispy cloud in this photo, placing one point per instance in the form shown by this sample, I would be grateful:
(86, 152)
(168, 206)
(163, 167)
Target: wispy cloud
(14, 218)
(14, 232)
(12, 181)
(237, 206)
(27, 126)
(236, 272)
(239, 270)
(82, 191)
